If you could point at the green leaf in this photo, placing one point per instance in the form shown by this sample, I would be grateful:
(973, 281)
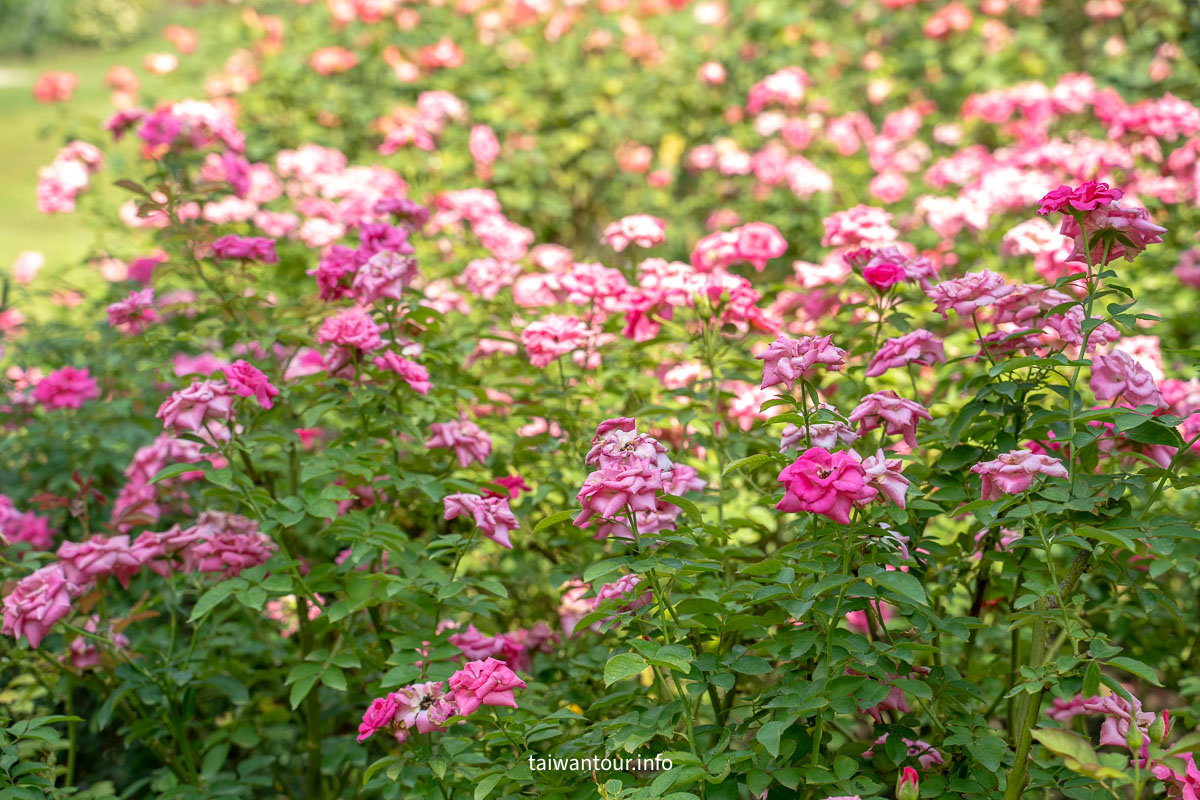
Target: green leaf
(213, 597)
(301, 688)
(677, 657)
(1067, 744)
(1108, 537)
(602, 568)
(688, 507)
(486, 784)
(1091, 680)
(621, 666)
(750, 665)
(554, 519)
(492, 585)
(768, 566)
(334, 678)
(748, 463)
(373, 770)
(768, 735)
(254, 597)
(989, 750)
(171, 471)
(902, 584)
(1154, 432)
(1143, 671)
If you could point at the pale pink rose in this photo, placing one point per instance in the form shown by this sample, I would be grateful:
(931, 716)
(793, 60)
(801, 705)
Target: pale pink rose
(968, 294)
(186, 410)
(1013, 472)
(464, 437)
(1119, 375)
(27, 266)
(39, 600)
(786, 361)
(897, 415)
(915, 347)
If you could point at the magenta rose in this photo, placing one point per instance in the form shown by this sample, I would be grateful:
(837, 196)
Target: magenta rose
(484, 683)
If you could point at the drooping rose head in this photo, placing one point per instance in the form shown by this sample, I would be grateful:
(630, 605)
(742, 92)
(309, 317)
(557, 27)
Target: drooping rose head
(378, 716)
(484, 683)
(1013, 472)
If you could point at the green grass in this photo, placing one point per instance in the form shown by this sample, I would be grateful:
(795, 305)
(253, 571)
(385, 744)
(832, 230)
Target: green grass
(31, 133)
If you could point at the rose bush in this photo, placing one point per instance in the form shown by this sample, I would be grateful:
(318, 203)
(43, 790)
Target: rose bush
(463, 386)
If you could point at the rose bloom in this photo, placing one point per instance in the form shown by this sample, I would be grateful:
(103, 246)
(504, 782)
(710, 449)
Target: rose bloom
(39, 600)
(491, 515)
(184, 39)
(423, 707)
(883, 276)
(1118, 374)
(384, 277)
(27, 266)
(484, 683)
(1012, 473)
(186, 410)
(640, 229)
(66, 388)
(332, 60)
(547, 339)
(135, 313)
(160, 63)
(99, 556)
(352, 328)
(897, 414)
(250, 248)
(1088, 197)
(55, 87)
(788, 360)
(378, 716)
(758, 242)
(464, 437)
(247, 380)
(969, 293)
(915, 347)
(824, 483)
(712, 73)
(415, 375)
(1132, 225)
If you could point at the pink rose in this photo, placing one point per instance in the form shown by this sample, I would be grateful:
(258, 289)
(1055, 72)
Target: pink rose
(884, 276)
(416, 376)
(186, 410)
(897, 414)
(788, 360)
(1118, 374)
(915, 347)
(824, 483)
(378, 716)
(484, 683)
(66, 388)
(467, 439)
(246, 380)
(1087, 197)
(758, 242)
(41, 599)
(1012, 473)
